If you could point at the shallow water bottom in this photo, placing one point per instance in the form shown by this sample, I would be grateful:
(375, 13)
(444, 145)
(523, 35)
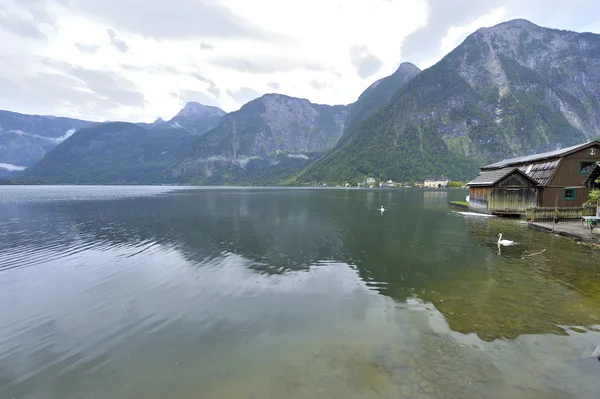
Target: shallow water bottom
(376, 348)
(401, 362)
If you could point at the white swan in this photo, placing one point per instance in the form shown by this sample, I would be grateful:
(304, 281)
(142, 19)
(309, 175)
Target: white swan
(382, 209)
(504, 242)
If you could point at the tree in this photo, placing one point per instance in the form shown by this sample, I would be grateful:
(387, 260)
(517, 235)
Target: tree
(594, 195)
(455, 184)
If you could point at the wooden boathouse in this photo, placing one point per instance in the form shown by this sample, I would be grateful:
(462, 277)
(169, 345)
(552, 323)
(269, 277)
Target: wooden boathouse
(556, 178)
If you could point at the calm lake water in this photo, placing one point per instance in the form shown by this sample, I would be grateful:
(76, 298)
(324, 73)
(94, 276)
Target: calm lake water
(179, 293)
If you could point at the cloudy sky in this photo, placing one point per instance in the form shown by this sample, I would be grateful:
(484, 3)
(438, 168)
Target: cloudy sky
(137, 60)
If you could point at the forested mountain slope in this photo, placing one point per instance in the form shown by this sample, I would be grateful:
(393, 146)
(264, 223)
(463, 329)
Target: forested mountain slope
(509, 90)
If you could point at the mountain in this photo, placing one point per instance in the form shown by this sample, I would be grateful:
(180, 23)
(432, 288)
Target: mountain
(194, 118)
(197, 118)
(375, 97)
(24, 139)
(509, 90)
(268, 139)
(112, 152)
(120, 152)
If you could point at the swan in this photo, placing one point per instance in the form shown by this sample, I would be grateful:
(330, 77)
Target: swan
(382, 209)
(504, 242)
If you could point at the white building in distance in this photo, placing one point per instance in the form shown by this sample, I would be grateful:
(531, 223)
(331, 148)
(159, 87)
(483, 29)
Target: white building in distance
(437, 183)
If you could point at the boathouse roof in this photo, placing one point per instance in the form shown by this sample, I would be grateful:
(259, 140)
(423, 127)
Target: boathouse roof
(491, 177)
(538, 157)
(541, 172)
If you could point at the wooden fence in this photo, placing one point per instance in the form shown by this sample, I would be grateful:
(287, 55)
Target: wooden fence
(560, 214)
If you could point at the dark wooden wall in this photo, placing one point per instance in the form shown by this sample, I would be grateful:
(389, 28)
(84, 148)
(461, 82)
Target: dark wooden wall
(548, 197)
(567, 175)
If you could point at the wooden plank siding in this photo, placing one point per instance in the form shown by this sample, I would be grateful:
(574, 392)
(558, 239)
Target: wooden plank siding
(515, 179)
(513, 199)
(514, 192)
(478, 197)
(568, 174)
(549, 195)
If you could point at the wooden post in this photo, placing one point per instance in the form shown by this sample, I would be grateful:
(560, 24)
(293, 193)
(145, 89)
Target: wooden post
(555, 213)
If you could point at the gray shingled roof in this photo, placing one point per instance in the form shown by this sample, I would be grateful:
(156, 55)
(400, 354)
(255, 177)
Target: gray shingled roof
(541, 172)
(491, 177)
(536, 157)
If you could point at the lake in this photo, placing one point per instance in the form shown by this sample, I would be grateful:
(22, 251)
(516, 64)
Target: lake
(180, 293)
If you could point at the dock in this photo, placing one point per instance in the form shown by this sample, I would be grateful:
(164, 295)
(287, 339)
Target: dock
(507, 214)
(574, 230)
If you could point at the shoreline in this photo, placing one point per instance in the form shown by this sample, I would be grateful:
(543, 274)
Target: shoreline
(572, 230)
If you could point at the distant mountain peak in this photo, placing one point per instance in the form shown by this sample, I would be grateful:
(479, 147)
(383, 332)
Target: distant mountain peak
(273, 99)
(196, 109)
(407, 67)
(520, 24)
(283, 97)
(279, 96)
(159, 120)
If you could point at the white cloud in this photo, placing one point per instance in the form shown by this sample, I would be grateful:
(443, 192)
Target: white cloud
(304, 48)
(319, 36)
(456, 34)
(11, 167)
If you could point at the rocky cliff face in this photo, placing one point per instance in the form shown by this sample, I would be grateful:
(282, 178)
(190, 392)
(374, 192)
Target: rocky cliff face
(539, 86)
(24, 139)
(268, 131)
(509, 90)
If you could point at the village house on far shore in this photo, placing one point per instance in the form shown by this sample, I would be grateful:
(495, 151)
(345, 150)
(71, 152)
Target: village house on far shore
(556, 178)
(440, 182)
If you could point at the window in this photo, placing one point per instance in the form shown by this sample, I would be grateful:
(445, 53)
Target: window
(569, 194)
(585, 167)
